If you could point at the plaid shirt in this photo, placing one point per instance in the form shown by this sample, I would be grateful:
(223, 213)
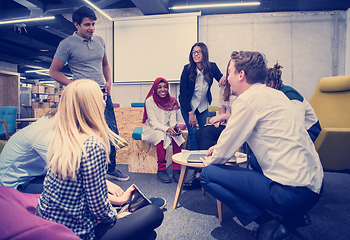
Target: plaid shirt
(80, 204)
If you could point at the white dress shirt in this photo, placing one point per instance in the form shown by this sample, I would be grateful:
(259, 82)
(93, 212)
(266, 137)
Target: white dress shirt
(267, 120)
(157, 123)
(199, 99)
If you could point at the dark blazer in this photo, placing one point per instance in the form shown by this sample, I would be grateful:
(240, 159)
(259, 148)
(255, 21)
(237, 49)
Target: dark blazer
(187, 86)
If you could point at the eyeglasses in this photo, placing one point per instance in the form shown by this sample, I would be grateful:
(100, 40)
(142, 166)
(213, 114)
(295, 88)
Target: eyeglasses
(199, 52)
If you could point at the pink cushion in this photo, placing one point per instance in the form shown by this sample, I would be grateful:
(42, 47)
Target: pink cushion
(116, 105)
(18, 219)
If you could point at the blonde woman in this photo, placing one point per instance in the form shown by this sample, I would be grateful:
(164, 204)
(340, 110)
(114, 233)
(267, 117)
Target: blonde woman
(75, 189)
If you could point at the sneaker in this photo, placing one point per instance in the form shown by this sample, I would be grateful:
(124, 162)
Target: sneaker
(118, 175)
(176, 175)
(163, 176)
(159, 202)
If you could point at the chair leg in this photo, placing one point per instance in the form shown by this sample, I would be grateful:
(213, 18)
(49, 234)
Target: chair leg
(218, 203)
(5, 128)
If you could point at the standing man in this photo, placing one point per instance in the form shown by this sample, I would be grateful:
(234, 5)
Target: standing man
(290, 183)
(87, 59)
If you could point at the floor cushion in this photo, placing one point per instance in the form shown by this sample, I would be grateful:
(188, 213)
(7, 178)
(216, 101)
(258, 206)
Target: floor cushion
(18, 219)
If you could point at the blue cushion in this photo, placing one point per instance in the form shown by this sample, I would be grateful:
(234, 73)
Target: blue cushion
(137, 104)
(10, 115)
(137, 133)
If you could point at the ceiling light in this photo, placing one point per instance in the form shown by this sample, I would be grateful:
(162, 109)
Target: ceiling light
(27, 20)
(239, 4)
(99, 10)
(36, 71)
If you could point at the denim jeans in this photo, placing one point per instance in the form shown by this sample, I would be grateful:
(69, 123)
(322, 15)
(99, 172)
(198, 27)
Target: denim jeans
(34, 186)
(201, 120)
(112, 124)
(249, 193)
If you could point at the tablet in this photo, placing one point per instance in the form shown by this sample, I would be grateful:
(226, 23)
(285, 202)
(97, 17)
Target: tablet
(138, 200)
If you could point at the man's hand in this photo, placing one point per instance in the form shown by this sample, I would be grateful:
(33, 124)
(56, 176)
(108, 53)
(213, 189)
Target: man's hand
(205, 160)
(108, 87)
(192, 120)
(114, 189)
(210, 151)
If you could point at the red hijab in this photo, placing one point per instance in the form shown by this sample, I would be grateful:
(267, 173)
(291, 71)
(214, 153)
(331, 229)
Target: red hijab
(168, 103)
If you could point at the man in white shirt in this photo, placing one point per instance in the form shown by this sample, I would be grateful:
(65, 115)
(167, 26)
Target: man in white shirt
(291, 182)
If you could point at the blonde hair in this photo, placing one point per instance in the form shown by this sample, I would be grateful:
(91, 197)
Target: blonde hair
(80, 114)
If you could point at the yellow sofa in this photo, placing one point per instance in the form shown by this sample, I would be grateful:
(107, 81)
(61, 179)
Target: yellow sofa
(331, 102)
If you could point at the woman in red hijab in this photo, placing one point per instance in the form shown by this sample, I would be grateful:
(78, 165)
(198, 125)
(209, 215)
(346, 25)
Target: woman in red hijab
(159, 126)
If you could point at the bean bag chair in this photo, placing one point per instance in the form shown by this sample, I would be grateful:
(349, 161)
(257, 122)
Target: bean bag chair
(19, 222)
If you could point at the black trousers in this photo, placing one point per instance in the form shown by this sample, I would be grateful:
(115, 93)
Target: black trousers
(138, 225)
(208, 136)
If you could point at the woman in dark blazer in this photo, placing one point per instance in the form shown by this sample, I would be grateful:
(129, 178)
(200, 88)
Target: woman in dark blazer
(195, 96)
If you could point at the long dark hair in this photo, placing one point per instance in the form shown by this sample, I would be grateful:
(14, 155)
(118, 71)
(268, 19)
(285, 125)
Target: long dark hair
(192, 67)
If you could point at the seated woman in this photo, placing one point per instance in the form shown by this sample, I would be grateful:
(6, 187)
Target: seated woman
(209, 135)
(159, 126)
(75, 188)
(302, 106)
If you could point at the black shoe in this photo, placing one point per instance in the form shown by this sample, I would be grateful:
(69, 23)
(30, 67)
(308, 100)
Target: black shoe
(193, 183)
(163, 176)
(274, 230)
(176, 175)
(296, 221)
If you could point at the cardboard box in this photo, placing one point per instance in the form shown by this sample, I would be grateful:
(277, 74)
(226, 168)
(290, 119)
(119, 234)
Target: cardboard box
(59, 91)
(41, 105)
(54, 98)
(37, 89)
(49, 90)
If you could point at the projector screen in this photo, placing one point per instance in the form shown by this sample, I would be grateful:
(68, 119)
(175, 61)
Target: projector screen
(148, 47)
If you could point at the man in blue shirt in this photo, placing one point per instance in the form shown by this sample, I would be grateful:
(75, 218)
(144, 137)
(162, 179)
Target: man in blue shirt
(22, 164)
(87, 59)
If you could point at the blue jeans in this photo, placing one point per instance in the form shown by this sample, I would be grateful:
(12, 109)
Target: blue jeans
(201, 120)
(34, 186)
(112, 124)
(249, 193)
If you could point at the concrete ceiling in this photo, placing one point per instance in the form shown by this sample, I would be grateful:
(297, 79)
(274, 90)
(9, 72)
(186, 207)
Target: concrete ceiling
(32, 45)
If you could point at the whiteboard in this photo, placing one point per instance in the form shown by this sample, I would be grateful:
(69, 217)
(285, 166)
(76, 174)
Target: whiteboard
(148, 47)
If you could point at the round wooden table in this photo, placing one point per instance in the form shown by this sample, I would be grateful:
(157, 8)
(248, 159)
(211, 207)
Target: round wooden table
(181, 158)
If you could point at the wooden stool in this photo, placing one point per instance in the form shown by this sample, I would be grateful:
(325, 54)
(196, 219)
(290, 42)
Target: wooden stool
(143, 155)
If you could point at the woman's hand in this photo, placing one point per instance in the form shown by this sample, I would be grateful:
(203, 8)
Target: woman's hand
(173, 132)
(123, 214)
(123, 198)
(114, 189)
(219, 119)
(222, 81)
(192, 120)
